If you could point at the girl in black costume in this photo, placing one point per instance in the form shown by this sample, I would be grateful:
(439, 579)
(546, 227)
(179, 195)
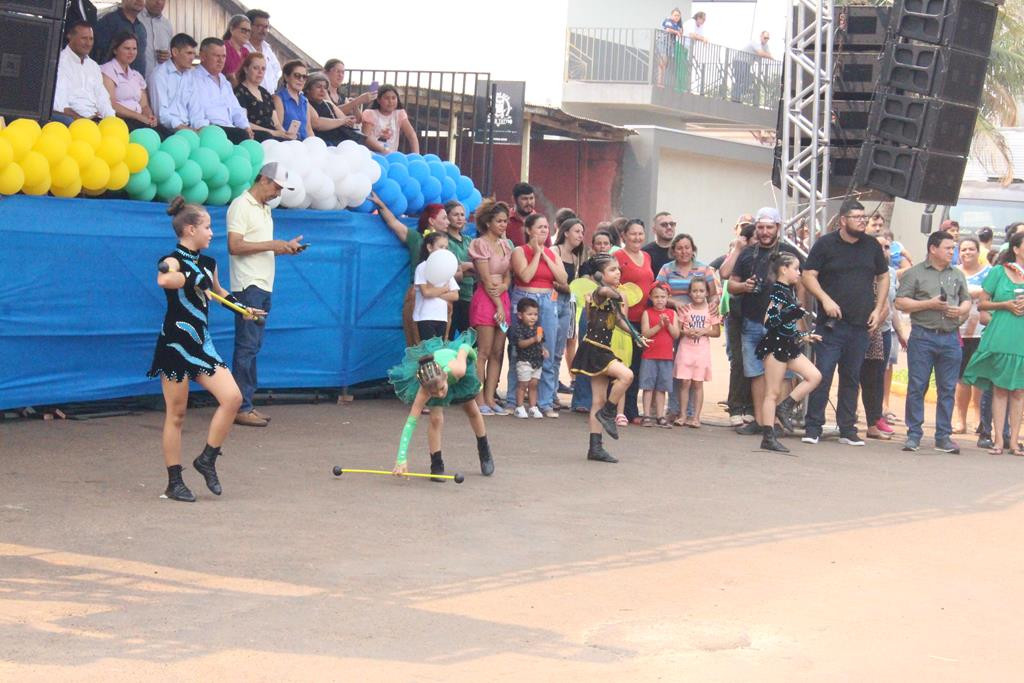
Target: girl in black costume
(184, 350)
(781, 348)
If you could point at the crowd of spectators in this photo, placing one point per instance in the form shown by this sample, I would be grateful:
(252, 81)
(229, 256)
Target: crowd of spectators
(130, 63)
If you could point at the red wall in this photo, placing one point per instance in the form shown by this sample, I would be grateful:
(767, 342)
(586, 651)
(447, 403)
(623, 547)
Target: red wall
(585, 176)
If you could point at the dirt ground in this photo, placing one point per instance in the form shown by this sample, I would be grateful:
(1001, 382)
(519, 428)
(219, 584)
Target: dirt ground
(695, 558)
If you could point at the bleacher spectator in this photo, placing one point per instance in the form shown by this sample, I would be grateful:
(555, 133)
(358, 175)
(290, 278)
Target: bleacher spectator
(334, 69)
(168, 78)
(79, 10)
(235, 38)
(158, 34)
(259, 21)
(208, 97)
(79, 92)
(386, 121)
(523, 202)
(257, 101)
(291, 105)
(127, 87)
(124, 17)
(327, 120)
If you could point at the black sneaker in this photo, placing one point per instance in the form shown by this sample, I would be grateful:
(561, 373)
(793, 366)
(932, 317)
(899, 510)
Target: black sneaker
(562, 389)
(178, 491)
(851, 439)
(606, 416)
(985, 442)
(205, 465)
(749, 429)
(911, 445)
(947, 445)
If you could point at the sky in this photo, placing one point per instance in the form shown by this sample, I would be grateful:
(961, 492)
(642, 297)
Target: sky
(526, 43)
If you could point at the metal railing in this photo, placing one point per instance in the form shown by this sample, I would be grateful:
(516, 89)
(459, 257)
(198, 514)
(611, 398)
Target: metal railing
(446, 109)
(652, 56)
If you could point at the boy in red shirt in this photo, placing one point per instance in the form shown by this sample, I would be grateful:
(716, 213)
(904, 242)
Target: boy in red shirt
(659, 324)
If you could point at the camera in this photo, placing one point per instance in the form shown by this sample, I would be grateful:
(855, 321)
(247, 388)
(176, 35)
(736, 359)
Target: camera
(758, 286)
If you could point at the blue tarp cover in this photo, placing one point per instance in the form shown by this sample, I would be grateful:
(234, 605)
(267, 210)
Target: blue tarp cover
(80, 310)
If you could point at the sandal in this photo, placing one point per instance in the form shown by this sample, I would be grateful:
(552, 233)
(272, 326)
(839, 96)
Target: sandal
(679, 422)
(620, 420)
(693, 423)
(995, 450)
(648, 422)
(663, 423)
(891, 418)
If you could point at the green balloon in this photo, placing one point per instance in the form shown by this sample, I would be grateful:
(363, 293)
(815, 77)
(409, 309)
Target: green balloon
(170, 188)
(147, 195)
(255, 150)
(220, 177)
(208, 161)
(161, 166)
(237, 190)
(189, 136)
(219, 196)
(225, 149)
(138, 183)
(190, 173)
(210, 136)
(196, 194)
(147, 137)
(242, 153)
(238, 170)
(178, 149)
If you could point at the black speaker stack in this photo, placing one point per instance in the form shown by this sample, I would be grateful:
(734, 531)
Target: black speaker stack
(30, 43)
(926, 104)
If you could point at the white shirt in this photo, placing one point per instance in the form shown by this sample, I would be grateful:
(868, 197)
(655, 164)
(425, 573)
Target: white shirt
(211, 100)
(252, 221)
(159, 32)
(690, 27)
(273, 73)
(164, 86)
(80, 87)
(430, 308)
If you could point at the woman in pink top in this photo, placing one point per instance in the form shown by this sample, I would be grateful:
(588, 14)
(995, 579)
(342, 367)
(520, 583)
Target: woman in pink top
(126, 86)
(386, 121)
(235, 38)
(489, 309)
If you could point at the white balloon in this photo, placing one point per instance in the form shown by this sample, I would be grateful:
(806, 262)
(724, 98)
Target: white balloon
(440, 267)
(318, 185)
(328, 203)
(306, 202)
(361, 187)
(336, 167)
(364, 153)
(372, 171)
(290, 199)
(347, 146)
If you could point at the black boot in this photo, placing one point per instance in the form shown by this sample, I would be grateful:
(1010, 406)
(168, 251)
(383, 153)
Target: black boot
(436, 465)
(206, 465)
(597, 451)
(176, 489)
(784, 413)
(606, 416)
(770, 443)
(483, 449)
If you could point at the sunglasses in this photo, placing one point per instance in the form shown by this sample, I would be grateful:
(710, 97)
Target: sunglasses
(301, 77)
(668, 224)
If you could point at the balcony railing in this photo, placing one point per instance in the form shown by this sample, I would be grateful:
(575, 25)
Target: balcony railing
(652, 56)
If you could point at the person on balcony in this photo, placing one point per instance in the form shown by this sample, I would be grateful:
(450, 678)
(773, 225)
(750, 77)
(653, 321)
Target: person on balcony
(693, 30)
(666, 40)
(386, 121)
(743, 68)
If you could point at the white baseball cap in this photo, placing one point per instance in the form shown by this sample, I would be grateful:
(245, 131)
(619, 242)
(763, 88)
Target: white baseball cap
(278, 173)
(768, 213)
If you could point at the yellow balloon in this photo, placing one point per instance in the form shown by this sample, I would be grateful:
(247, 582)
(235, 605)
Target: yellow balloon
(71, 190)
(39, 189)
(26, 128)
(111, 150)
(136, 157)
(19, 142)
(85, 130)
(36, 168)
(52, 147)
(94, 193)
(114, 127)
(82, 152)
(12, 179)
(59, 130)
(6, 152)
(96, 175)
(118, 176)
(64, 172)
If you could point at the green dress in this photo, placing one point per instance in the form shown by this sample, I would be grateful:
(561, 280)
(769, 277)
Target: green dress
(999, 359)
(403, 375)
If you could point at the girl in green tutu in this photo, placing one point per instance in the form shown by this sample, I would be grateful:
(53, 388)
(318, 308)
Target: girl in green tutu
(999, 361)
(434, 374)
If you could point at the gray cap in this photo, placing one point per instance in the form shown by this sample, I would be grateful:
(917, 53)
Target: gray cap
(278, 173)
(768, 213)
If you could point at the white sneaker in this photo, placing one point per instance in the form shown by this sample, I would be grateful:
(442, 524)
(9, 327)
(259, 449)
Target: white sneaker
(810, 439)
(535, 412)
(520, 412)
(551, 413)
(748, 418)
(735, 420)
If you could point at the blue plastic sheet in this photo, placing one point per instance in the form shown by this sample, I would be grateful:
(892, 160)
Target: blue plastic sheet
(80, 310)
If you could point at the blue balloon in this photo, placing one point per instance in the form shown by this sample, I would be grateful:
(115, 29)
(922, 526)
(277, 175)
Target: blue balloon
(437, 170)
(451, 170)
(463, 187)
(383, 175)
(473, 201)
(379, 158)
(389, 192)
(447, 189)
(399, 173)
(416, 204)
(399, 206)
(397, 157)
(431, 189)
(411, 188)
(413, 156)
(431, 157)
(419, 170)
(365, 207)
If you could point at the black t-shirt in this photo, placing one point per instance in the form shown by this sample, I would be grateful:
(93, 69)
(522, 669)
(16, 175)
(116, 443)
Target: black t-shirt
(754, 261)
(659, 256)
(847, 273)
(716, 265)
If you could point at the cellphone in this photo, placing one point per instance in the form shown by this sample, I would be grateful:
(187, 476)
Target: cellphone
(374, 86)
(303, 247)
(293, 126)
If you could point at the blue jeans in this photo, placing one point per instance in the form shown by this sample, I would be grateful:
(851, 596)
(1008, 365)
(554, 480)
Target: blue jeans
(248, 340)
(549, 321)
(843, 346)
(927, 350)
(565, 311)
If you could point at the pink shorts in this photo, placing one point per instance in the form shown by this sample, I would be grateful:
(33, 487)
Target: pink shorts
(693, 362)
(482, 310)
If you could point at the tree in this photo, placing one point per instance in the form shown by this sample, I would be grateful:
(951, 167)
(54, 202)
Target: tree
(1004, 84)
